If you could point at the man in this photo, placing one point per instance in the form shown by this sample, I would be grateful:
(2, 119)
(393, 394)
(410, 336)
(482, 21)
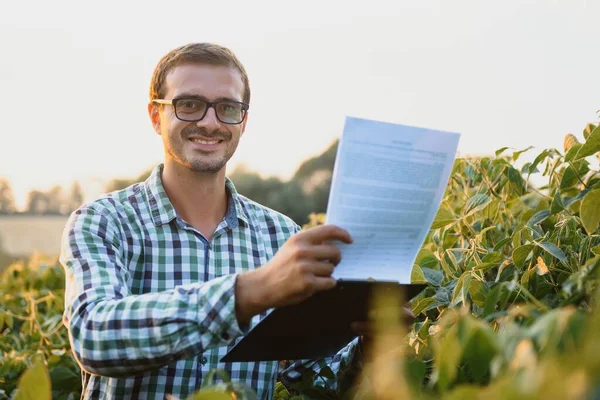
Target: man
(164, 276)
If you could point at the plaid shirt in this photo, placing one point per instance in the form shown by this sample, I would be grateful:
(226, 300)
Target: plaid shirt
(149, 302)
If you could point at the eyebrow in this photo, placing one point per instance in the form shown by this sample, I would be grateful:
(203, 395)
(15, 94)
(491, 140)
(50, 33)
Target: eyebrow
(195, 96)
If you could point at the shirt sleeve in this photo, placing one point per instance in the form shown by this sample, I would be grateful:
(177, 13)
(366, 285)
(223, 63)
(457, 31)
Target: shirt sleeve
(115, 333)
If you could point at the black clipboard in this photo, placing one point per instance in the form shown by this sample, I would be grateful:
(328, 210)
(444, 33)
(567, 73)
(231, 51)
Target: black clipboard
(318, 327)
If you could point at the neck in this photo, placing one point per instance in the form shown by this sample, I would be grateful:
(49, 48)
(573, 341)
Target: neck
(198, 198)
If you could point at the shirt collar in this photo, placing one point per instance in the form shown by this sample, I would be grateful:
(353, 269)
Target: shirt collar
(162, 209)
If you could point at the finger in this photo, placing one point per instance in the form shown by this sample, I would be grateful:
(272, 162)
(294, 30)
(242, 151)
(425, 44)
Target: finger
(328, 252)
(323, 283)
(324, 233)
(321, 268)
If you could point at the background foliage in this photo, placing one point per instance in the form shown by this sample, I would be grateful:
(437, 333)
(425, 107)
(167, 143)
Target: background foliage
(510, 309)
(306, 192)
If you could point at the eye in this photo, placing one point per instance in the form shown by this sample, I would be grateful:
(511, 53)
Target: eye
(229, 108)
(190, 105)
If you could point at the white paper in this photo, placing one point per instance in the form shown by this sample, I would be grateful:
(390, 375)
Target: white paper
(387, 186)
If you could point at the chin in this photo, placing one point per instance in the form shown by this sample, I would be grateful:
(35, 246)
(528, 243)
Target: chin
(206, 168)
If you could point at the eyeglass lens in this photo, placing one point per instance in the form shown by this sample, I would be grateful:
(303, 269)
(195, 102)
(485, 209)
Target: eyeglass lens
(195, 109)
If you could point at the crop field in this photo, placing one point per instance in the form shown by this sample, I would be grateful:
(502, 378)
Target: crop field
(21, 235)
(509, 312)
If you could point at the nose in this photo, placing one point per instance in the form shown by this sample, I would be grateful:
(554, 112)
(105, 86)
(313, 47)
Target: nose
(210, 119)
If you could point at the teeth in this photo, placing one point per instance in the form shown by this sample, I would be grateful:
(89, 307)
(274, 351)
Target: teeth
(205, 141)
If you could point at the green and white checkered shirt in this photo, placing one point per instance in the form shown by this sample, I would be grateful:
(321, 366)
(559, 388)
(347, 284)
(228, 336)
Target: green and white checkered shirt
(149, 302)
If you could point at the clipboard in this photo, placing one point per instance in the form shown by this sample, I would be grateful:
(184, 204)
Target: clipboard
(317, 327)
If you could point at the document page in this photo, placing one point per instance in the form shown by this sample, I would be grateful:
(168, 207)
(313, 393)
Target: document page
(388, 182)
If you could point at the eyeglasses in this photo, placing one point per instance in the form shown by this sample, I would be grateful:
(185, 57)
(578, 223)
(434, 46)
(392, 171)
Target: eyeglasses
(191, 109)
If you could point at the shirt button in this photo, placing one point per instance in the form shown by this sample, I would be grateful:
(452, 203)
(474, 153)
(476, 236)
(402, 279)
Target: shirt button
(204, 360)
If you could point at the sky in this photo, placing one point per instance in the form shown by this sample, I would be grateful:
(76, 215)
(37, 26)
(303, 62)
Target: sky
(74, 77)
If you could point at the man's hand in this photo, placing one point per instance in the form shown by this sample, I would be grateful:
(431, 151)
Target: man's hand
(301, 267)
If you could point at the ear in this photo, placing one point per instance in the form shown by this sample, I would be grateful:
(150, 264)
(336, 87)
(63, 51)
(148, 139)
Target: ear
(154, 114)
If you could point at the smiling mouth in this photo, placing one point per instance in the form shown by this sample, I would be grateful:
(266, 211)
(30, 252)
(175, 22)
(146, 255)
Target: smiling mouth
(205, 141)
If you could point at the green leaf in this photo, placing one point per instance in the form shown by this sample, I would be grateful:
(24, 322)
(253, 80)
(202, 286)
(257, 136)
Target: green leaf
(443, 218)
(520, 254)
(441, 297)
(458, 288)
(417, 276)
(281, 392)
(589, 211)
(557, 204)
(415, 371)
(550, 329)
(432, 276)
(568, 201)
(470, 172)
(591, 145)
(210, 394)
(517, 236)
(451, 260)
(526, 277)
(501, 150)
(514, 177)
(476, 203)
(493, 257)
(554, 250)
(538, 217)
(423, 305)
(447, 358)
(426, 258)
(485, 266)
(34, 384)
(478, 291)
(480, 346)
(501, 244)
(528, 169)
(569, 178)
(8, 320)
(516, 154)
(491, 300)
(572, 152)
(572, 174)
(589, 128)
(63, 378)
(541, 157)
(575, 283)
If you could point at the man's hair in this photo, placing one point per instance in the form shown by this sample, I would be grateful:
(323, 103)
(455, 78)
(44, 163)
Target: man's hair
(198, 53)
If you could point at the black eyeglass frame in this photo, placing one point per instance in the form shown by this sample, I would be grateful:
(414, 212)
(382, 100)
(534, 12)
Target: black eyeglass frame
(209, 104)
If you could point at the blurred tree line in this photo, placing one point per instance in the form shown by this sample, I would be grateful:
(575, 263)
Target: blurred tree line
(306, 192)
(55, 201)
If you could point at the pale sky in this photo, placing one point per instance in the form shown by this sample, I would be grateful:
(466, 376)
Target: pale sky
(74, 77)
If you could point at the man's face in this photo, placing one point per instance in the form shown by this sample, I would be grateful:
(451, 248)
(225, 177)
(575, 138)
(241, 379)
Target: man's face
(205, 145)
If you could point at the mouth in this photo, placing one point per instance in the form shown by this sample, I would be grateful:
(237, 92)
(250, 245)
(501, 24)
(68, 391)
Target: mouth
(205, 144)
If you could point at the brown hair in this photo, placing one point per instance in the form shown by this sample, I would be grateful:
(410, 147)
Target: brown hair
(201, 53)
